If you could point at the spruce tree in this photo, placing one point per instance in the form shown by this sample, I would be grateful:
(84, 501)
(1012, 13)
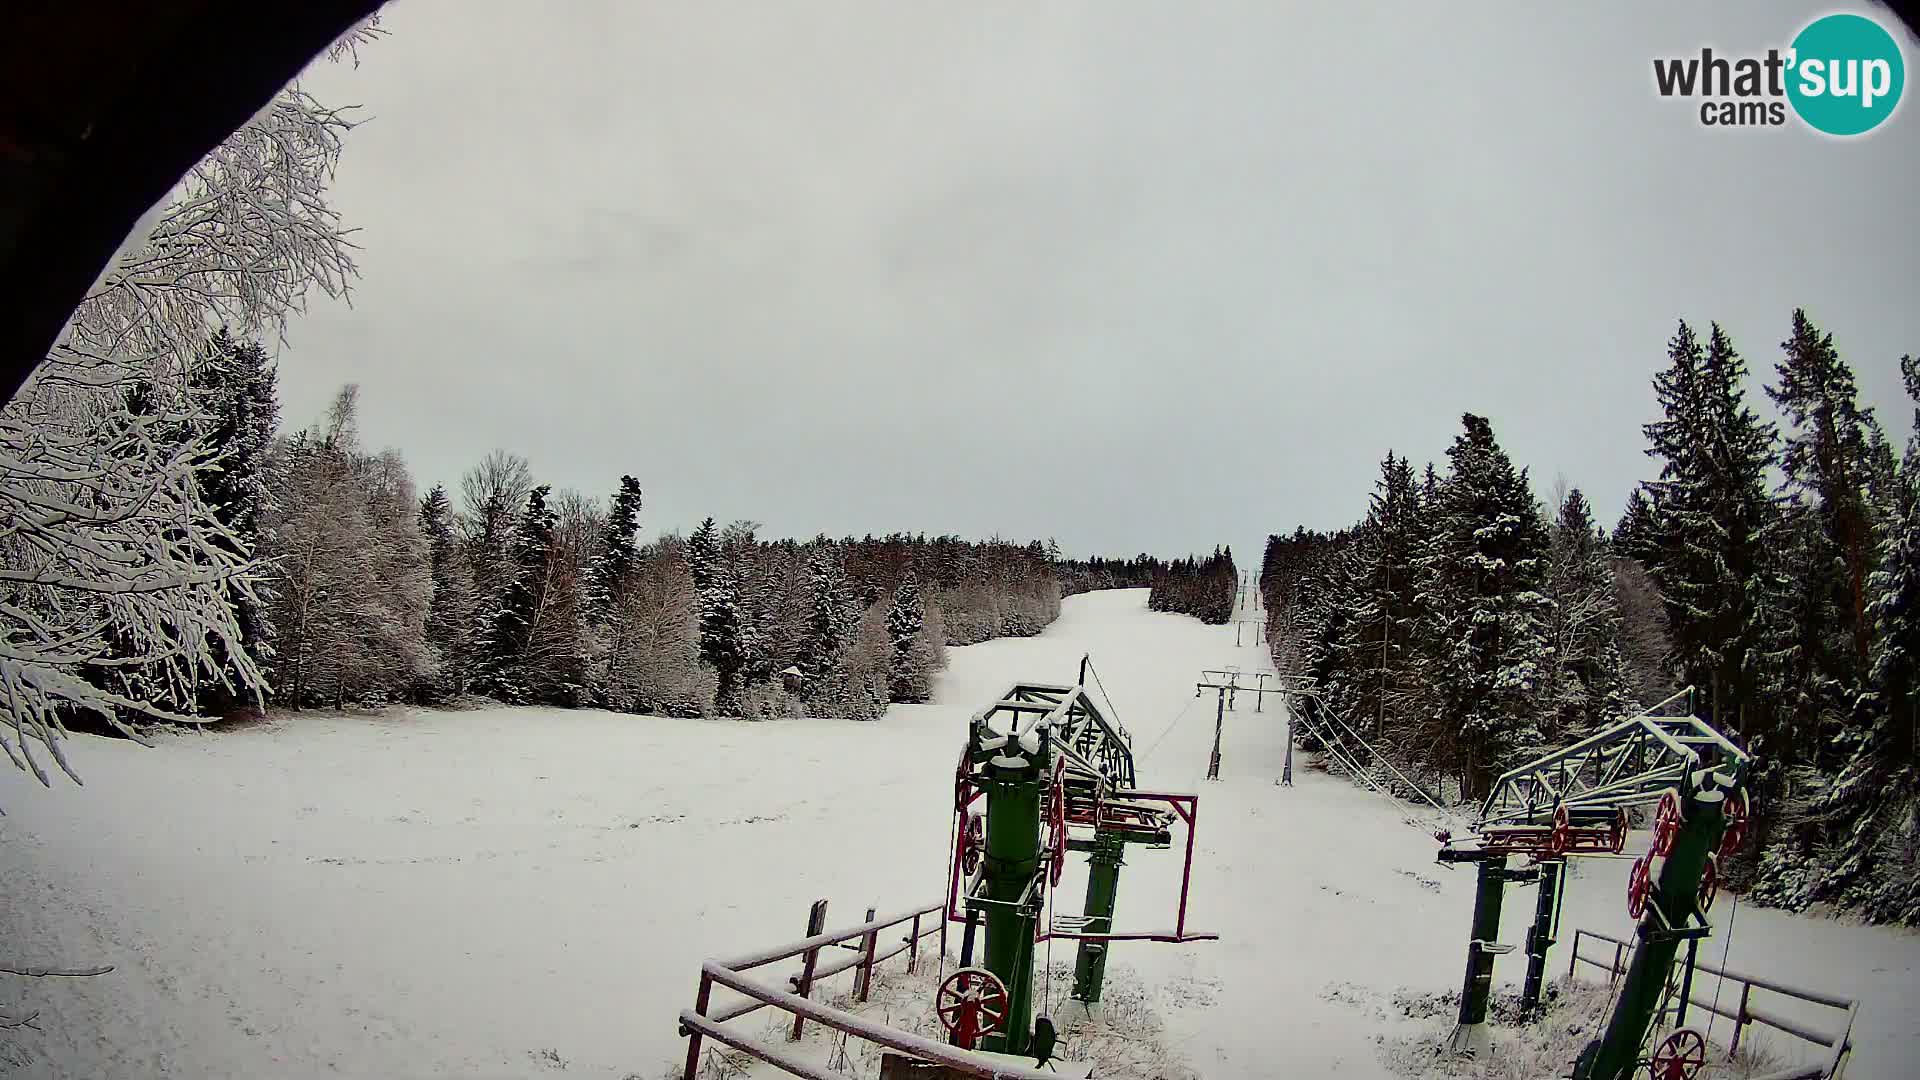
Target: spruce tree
(723, 644)
(1582, 686)
(905, 620)
(450, 612)
(1712, 519)
(1490, 565)
(240, 393)
(1825, 458)
(509, 633)
(830, 625)
(1875, 803)
(618, 552)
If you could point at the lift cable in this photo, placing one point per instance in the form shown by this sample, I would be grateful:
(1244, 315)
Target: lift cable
(1168, 730)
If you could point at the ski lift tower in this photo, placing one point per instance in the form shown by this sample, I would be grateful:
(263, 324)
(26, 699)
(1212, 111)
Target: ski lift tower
(1044, 772)
(1574, 802)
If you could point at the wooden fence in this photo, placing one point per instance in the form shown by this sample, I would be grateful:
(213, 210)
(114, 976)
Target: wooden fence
(864, 953)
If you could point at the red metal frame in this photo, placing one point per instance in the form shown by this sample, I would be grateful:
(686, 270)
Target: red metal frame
(1185, 806)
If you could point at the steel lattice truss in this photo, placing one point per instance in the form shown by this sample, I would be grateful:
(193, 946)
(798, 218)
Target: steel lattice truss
(1094, 749)
(1634, 761)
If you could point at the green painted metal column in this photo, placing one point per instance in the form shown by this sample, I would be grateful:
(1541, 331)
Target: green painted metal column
(1540, 934)
(1103, 885)
(1012, 858)
(1470, 1034)
(1669, 909)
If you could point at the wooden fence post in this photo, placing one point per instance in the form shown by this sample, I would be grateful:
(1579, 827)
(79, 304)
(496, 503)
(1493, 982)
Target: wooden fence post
(913, 945)
(816, 923)
(693, 1037)
(1740, 1018)
(867, 946)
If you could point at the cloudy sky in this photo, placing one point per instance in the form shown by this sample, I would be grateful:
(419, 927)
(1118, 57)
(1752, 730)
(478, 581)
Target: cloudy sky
(1138, 276)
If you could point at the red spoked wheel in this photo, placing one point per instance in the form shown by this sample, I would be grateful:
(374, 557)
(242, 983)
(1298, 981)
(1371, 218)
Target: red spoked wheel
(962, 783)
(973, 843)
(1709, 884)
(1736, 812)
(972, 1002)
(1057, 835)
(1561, 838)
(1640, 885)
(1679, 1057)
(1617, 839)
(1666, 824)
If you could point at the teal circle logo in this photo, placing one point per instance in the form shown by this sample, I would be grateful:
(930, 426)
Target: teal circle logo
(1846, 75)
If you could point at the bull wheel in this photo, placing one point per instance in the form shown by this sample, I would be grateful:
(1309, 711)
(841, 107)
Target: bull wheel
(1666, 824)
(971, 1003)
(962, 783)
(1736, 812)
(1679, 1057)
(1561, 838)
(1709, 884)
(1617, 839)
(973, 843)
(1057, 834)
(1640, 886)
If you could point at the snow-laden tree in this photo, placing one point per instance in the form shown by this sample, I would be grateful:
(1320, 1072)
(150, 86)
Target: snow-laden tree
(111, 556)
(1825, 456)
(906, 626)
(1713, 519)
(1486, 570)
(1581, 685)
(725, 635)
(352, 581)
(833, 614)
(1873, 807)
(450, 612)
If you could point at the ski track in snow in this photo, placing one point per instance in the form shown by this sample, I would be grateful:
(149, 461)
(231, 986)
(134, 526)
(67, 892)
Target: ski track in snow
(521, 892)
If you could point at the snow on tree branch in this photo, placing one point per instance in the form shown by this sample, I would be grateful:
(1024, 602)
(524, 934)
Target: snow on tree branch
(118, 583)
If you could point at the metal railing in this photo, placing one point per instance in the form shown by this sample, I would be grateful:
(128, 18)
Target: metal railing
(703, 1022)
(1839, 1044)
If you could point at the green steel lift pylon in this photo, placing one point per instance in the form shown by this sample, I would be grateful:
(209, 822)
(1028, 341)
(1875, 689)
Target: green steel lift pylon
(1044, 759)
(1573, 802)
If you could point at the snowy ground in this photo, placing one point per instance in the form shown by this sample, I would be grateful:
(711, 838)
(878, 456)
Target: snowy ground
(515, 892)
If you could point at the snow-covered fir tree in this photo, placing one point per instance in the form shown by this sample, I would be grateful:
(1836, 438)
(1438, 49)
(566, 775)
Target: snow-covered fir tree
(1582, 686)
(450, 612)
(1486, 573)
(723, 633)
(831, 621)
(1711, 520)
(906, 623)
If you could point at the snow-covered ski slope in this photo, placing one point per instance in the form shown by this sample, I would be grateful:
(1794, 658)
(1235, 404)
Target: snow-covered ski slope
(520, 892)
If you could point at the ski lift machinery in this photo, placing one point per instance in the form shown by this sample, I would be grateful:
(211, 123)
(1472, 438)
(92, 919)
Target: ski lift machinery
(1574, 802)
(1045, 771)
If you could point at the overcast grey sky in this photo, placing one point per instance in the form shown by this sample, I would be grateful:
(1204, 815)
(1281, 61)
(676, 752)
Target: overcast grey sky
(1138, 276)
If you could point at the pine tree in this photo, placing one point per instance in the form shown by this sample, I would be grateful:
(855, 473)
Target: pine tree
(830, 627)
(1874, 805)
(240, 399)
(1825, 459)
(723, 644)
(1582, 689)
(508, 633)
(1712, 519)
(450, 614)
(906, 620)
(1487, 571)
(1382, 577)
(614, 565)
